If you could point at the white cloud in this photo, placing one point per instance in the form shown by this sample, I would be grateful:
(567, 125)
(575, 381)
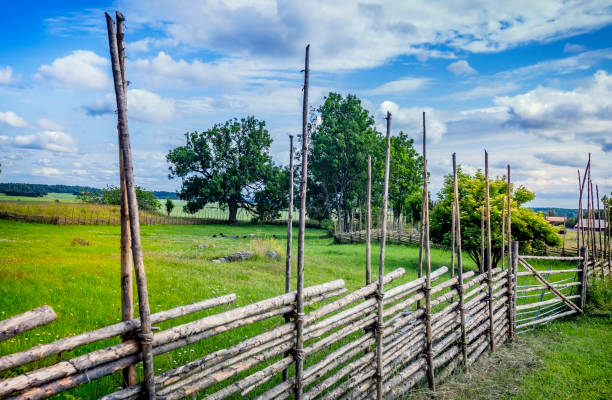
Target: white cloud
(49, 125)
(7, 77)
(149, 107)
(46, 171)
(164, 71)
(461, 67)
(573, 48)
(143, 106)
(12, 119)
(47, 140)
(403, 85)
(353, 35)
(410, 120)
(558, 114)
(80, 69)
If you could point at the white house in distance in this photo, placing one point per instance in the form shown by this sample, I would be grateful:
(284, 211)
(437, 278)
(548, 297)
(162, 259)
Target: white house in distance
(599, 225)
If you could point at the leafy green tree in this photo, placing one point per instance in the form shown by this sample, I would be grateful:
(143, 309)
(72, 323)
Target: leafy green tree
(529, 228)
(112, 195)
(274, 196)
(169, 206)
(342, 135)
(227, 164)
(405, 178)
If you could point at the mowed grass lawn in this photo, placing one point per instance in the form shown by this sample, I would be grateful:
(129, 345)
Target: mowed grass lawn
(39, 266)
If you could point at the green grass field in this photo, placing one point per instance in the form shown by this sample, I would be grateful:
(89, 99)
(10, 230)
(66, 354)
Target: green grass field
(38, 265)
(51, 197)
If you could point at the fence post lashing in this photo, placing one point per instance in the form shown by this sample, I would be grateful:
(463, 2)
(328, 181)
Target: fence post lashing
(381, 269)
(427, 289)
(289, 236)
(299, 315)
(457, 215)
(145, 335)
(489, 260)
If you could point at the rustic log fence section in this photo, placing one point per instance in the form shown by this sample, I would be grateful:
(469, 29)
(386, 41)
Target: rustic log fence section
(543, 296)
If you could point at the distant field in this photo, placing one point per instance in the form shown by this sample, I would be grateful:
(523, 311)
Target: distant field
(51, 197)
(47, 206)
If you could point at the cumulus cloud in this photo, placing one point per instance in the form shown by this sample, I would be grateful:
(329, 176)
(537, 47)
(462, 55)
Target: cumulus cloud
(7, 77)
(562, 114)
(81, 69)
(347, 36)
(47, 140)
(164, 71)
(12, 119)
(461, 67)
(143, 106)
(403, 85)
(410, 120)
(561, 159)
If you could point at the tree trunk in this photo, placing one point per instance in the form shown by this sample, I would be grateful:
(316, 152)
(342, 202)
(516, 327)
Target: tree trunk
(233, 211)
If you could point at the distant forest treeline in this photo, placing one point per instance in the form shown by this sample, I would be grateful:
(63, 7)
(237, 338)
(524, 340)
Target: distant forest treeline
(557, 212)
(40, 190)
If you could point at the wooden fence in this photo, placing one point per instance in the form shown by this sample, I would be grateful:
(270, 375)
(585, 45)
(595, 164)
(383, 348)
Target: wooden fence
(339, 336)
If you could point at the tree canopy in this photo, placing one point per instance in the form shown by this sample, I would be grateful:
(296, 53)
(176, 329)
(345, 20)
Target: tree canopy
(529, 228)
(342, 136)
(228, 164)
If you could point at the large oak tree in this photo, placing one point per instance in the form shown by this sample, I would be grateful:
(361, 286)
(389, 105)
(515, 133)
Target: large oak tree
(229, 164)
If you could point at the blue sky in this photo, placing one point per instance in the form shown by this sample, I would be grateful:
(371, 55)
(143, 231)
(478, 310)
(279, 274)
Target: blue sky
(529, 81)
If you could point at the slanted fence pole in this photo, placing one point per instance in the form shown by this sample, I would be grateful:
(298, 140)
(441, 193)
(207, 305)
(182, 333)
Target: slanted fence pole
(381, 269)
(457, 215)
(428, 333)
(299, 316)
(145, 336)
(489, 258)
(127, 292)
(289, 236)
(369, 226)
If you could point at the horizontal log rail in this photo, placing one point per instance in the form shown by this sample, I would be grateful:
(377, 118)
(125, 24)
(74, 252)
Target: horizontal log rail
(24, 322)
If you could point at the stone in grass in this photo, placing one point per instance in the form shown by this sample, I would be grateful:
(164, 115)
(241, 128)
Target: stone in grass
(273, 254)
(238, 256)
(77, 241)
(202, 246)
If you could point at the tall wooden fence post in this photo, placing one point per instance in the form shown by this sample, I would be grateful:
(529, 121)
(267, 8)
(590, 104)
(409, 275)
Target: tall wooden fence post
(427, 289)
(380, 292)
(299, 315)
(127, 292)
(289, 236)
(145, 335)
(489, 258)
(369, 226)
(511, 279)
(515, 256)
(457, 215)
